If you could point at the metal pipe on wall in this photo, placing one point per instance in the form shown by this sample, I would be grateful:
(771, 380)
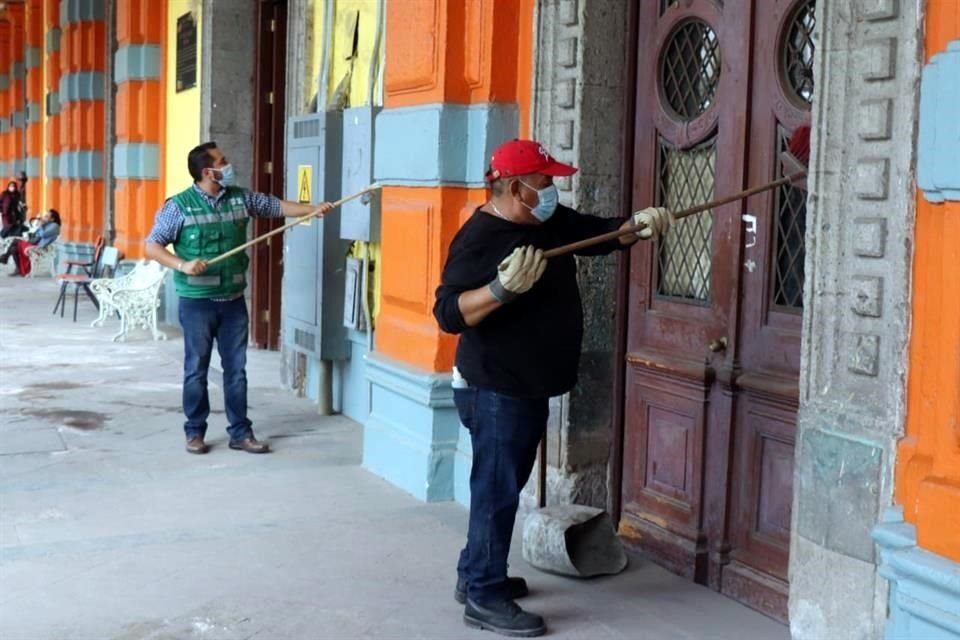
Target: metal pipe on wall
(372, 76)
(325, 388)
(328, 20)
(325, 372)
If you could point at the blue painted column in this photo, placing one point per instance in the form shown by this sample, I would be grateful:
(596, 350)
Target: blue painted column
(33, 57)
(924, 587)
(413, 436)
(138, 122)
(446, 108)
(83, 126)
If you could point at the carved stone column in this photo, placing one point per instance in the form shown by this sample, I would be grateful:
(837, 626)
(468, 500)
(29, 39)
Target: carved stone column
(859, 238)
(579, 116)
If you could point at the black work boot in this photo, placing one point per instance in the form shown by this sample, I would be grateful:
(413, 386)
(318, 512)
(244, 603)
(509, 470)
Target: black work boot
(504, 617)
(516, 588)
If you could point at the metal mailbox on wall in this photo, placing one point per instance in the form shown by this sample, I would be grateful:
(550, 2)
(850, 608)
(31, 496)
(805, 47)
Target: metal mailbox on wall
(313, 253)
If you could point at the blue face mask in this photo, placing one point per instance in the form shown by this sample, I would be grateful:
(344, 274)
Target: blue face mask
(547, 200)
(227, 176)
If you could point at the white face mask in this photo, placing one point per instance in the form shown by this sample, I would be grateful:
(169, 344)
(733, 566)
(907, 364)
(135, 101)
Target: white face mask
(227, 176)
(547, 200)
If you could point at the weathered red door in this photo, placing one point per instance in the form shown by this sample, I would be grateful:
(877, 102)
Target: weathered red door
(714, 309)
(266, 264)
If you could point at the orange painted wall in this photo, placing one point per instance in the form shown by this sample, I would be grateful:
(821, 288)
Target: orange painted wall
(928, 458)
(526, 72)
(5, 69)
(16, 14)
(441, 51)
(418, 225)
(34, 39)
(83, 122)
(53, 141)
(140, 116)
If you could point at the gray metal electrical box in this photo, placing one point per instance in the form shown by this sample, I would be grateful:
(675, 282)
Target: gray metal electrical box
(361, 221)
(313, 253)
(353, 314)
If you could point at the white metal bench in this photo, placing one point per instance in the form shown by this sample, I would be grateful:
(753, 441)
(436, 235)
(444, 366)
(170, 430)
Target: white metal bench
(134, 297)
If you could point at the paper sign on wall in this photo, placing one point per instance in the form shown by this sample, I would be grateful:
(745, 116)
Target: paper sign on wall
(305, 187)
(305, 184)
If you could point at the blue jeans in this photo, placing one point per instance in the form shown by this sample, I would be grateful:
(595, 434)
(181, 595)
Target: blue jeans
(505, 432)
(204, 321)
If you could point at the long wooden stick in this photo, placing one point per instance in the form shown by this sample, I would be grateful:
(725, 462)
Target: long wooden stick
(300, 220)
(613, 235)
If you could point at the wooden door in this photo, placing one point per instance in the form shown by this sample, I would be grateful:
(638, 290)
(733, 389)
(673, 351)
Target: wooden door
(266, 260)
(713, 312)
(771, 298)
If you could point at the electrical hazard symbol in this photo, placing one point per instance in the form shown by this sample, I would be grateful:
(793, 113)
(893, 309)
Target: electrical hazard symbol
(305, 184)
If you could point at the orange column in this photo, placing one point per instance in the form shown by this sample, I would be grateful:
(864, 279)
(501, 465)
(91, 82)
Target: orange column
(18, 103)
(928, 458)
(139, 121)
(83, 54)
(34, 91)
(475, 54)
(5, 79)
(54, 142)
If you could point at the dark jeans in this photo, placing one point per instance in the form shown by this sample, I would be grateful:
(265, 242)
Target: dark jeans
(505, 432)
(204, 321)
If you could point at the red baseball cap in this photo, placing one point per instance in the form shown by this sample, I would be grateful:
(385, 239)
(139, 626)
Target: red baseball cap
(522, 158)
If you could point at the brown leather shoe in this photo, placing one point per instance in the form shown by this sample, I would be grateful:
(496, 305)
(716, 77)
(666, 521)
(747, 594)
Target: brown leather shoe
(250, 445)
(197, 445)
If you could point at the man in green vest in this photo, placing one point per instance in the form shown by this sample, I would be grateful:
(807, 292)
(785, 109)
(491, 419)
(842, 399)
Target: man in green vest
(202, 222)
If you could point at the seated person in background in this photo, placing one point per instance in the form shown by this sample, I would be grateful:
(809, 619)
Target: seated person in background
(43, 237)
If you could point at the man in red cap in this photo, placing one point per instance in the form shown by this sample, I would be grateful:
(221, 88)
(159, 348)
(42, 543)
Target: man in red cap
(520, 322)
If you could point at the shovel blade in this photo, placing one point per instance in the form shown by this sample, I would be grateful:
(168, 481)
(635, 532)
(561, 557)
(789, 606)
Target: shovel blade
(573, 540)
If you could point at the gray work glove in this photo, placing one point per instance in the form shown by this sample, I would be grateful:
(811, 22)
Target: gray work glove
(518, 273)
(656, 219)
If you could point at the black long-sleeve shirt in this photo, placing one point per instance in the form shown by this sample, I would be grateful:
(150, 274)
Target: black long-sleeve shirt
(531, 346)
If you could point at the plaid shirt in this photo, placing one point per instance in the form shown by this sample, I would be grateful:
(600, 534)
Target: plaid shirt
(169, 221)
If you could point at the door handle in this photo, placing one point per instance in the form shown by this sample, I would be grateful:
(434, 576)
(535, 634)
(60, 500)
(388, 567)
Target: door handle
(751, 239)
(718, 345)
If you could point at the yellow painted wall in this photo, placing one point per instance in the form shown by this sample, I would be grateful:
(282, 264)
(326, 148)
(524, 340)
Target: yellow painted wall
(314, 55)
(346, 16)
(182, 109)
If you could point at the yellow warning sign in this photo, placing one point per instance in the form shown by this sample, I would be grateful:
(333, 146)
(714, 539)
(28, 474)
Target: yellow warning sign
(305, 184)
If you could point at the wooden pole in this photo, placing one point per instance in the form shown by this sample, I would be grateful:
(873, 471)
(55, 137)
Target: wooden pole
(613, 235)
(300, 220)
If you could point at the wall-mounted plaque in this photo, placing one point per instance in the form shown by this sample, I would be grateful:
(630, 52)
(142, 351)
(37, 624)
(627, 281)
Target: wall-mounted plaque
(186, 52)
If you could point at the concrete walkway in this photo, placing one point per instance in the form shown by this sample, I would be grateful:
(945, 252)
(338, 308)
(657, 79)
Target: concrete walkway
(109, 531)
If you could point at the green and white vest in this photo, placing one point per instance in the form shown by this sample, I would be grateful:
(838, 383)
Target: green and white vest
(208, 232)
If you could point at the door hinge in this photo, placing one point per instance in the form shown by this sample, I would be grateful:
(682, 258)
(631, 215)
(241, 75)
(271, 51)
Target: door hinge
(269, 97)
(273, 25)
(268, 167)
